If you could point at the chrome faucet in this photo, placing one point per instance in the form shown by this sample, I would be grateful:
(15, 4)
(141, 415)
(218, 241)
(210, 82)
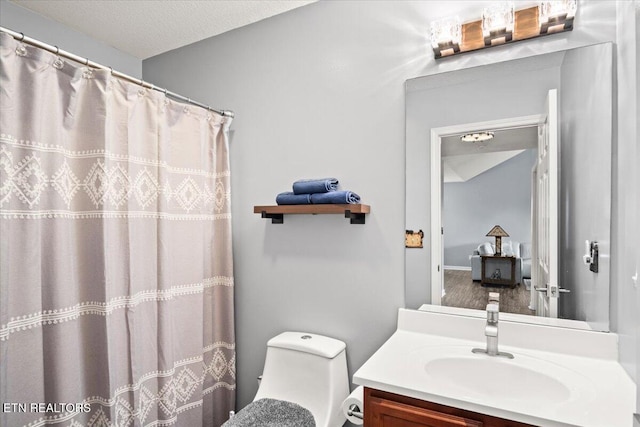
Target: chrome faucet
(491, 328)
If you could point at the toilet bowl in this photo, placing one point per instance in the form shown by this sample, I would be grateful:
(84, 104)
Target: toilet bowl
(307, 370)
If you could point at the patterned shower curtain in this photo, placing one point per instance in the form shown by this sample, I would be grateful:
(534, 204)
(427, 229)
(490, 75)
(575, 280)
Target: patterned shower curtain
(116, 276)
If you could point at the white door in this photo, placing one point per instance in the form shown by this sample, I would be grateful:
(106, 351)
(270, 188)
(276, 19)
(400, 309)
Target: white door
(546, 241)
(533, 295)
(442, 225)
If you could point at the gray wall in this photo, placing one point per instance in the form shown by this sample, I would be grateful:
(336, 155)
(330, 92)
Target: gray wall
(318, 91)
(585, 177)
(625, 231)
(501, 195)
(36, 26)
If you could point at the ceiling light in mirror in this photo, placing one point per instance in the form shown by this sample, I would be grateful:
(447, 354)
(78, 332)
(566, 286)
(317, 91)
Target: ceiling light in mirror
(477, 136)
(446, 36)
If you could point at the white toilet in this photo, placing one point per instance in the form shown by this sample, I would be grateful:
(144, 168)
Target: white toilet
(309, 370)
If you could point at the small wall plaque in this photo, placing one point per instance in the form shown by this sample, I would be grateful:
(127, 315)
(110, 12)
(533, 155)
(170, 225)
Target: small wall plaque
(413, 239)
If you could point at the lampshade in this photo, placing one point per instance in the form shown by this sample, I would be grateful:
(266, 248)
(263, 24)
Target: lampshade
(446, 36)
(497, 22)
(497, 231)
(556, 15)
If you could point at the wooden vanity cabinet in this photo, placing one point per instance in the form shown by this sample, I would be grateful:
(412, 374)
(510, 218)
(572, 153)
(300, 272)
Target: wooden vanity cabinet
(383, 409)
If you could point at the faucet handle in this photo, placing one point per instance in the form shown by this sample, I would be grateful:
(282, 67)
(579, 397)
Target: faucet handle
(492, 312)
(494, 297)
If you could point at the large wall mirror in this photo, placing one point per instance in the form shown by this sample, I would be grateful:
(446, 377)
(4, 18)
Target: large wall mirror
(536, 163)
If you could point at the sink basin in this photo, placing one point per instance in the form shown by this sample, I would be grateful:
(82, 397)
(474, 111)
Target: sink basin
(491, 377)
(459, 372)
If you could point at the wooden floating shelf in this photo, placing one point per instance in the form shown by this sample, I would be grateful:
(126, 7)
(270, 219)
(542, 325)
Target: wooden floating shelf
(276, 213)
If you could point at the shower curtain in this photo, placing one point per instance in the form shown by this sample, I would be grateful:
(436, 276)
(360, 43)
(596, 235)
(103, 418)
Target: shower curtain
(116, 278)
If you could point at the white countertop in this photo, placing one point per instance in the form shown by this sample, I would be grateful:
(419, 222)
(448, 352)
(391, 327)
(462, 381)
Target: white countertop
(603, 395)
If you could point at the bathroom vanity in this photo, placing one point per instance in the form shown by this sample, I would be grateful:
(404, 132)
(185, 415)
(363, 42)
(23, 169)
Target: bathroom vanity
(426, 374)
(388, 409)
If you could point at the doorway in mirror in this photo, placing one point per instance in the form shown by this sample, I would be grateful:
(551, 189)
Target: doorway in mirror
(483, 182)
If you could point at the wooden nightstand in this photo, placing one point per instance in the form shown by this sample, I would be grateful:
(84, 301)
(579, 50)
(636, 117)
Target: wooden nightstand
(506, 265)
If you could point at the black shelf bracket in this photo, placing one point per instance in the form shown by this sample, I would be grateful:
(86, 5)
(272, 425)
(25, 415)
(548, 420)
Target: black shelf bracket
(356, 218)
(277, 214)
(276, 218)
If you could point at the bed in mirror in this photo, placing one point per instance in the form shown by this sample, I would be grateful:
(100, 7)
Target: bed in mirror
(524, 145)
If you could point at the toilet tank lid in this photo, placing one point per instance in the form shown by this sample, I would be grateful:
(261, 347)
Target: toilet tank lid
(308, 343)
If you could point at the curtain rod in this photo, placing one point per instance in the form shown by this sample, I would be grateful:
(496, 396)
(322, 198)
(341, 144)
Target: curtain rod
(54, 49)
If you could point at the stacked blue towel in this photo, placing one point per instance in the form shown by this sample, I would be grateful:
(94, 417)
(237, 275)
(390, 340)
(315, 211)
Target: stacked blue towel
(311, 186)
(337, 197)
(316, 191)
(290, 198)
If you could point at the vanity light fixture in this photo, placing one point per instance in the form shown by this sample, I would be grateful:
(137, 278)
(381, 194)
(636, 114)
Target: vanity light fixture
(501, 24)
(497, 23)
(477, 136)
(446, 36)
(556, 16)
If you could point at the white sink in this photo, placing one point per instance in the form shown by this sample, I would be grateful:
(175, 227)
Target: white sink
(457, 371)
(558, 377)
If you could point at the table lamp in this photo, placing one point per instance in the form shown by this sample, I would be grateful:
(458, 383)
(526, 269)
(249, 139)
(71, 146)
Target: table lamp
(498, 233)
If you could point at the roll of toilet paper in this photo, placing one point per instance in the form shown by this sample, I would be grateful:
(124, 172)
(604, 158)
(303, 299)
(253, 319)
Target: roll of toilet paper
(355, 398)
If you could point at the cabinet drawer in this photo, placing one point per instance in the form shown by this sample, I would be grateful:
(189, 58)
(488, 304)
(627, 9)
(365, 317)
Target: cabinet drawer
(383, 409)
(387, 413)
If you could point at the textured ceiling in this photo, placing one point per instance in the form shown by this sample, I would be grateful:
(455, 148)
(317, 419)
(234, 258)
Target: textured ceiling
(145, 28)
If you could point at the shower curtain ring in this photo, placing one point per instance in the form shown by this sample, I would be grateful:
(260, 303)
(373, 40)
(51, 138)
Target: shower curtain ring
(58, 63)
(86, 61)
(21, 36)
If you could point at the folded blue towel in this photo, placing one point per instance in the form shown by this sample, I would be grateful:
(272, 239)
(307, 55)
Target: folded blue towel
(335, 197)
(289, 198)
(310, 186)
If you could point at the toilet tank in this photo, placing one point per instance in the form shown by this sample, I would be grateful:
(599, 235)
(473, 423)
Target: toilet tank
(310, 370)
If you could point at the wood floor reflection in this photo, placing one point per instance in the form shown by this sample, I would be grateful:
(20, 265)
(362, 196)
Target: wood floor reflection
(461, 291)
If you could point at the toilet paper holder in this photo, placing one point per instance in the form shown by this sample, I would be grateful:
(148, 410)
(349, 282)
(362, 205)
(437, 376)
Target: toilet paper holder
(354, 411)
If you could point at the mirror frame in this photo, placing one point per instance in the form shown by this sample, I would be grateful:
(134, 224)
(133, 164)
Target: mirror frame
(412, 85)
